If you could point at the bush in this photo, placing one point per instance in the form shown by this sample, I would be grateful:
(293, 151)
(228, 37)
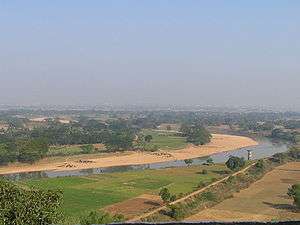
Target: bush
(294, 192)
(201, 184)
(173, 198)
(20, 206)
(235, 163)
(99, 217)
(176, 212)
(86, 149)
(208, 196)
(165, 194)
(294, 152)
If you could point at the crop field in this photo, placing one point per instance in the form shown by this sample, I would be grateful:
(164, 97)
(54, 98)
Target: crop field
(264, 200)
(166, 140)
(82, 194)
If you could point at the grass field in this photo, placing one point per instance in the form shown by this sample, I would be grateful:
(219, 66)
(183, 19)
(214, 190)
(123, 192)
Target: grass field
(69, 150)
(82, 194)
(163, 140)
(166, 140)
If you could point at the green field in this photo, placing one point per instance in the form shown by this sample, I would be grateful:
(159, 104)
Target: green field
(82, 194)
(64, 150)
(68, 150)
(166, 140)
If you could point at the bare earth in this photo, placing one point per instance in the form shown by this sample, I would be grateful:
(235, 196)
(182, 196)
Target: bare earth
(219, 143)
(135, 206)
(265, 200)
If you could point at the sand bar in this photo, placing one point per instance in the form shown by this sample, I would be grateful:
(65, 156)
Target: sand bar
(219, 143)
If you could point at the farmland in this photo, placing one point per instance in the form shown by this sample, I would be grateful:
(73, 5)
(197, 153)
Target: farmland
(265, 200)
(166, 140)
(82, 194)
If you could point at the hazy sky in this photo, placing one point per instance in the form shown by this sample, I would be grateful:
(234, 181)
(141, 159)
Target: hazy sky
(165, 52)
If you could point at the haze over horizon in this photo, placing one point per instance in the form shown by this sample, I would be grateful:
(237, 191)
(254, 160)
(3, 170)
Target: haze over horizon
(151, 52)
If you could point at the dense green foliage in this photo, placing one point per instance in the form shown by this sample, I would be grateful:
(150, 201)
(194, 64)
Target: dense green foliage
(285, 135)
(235, 163)
(195, 134)
(165, 194)
(23, 150)
(19, 206)
(119, 140)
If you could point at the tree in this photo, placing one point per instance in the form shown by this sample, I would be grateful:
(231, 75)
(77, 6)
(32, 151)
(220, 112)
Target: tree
(294, 192)
(169, 127)
(20, 206)
(4, 154)
(165, 194)
(235, 163)
(148, 138)
(176, 212)
(119, 141)
(31, 150)
(195, 134)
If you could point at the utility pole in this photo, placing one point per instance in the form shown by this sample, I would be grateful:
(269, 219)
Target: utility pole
(249, 154)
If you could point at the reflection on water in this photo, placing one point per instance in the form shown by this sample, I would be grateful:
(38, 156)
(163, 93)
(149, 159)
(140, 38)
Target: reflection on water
(266, 148)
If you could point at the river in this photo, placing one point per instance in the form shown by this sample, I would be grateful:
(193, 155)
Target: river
(265, 148)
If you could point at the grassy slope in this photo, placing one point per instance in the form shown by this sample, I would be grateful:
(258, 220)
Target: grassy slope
(82, 194)
(166, 140)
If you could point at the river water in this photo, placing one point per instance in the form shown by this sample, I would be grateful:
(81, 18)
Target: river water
(265, 148)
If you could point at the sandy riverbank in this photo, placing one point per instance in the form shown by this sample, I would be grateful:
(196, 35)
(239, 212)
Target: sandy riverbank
(219, 143)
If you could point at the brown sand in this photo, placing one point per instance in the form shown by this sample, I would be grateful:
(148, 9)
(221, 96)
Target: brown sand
(135, 206)
(265, 200)
(219, 143)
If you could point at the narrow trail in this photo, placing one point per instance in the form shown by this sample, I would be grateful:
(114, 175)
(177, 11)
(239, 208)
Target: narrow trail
(138, 218)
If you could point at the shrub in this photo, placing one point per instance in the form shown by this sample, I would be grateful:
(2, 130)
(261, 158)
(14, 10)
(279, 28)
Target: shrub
(235, 163)
(173, 198)
(294, 192)
(86, 149)
(294, 152)
(201, 184)
(20, 206)
(165, 194)
(176, 212)
(208, 196)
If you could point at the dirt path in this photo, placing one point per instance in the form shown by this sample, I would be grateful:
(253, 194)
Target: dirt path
(264, 200)
(219, 143)
(138, 218)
